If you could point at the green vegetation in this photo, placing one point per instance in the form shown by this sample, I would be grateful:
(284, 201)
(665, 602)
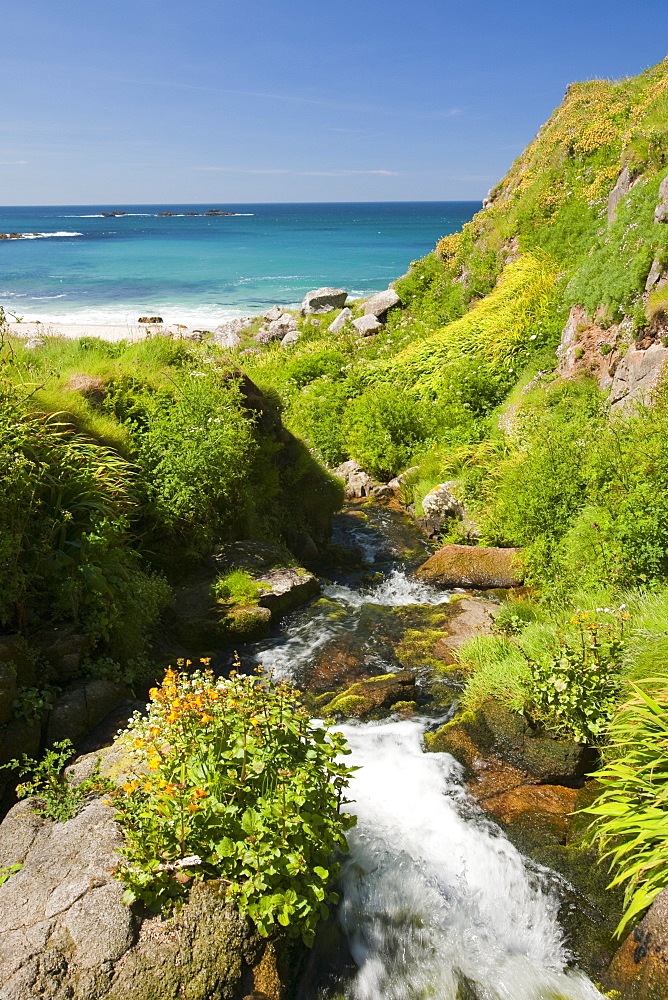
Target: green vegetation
(631, 825)
(57, 798)
(122, 466)
(234, 783)
(236, 587)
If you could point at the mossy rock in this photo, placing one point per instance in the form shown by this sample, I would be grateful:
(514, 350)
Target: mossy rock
(245, 623)
(375, 695)
(492, 729)
(473, 566)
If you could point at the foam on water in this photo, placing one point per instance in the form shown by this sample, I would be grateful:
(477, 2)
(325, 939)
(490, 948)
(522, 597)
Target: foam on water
(396, 590)
(433, 895)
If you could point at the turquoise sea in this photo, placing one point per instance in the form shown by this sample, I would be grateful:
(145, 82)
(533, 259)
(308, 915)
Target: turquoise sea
(80, 267)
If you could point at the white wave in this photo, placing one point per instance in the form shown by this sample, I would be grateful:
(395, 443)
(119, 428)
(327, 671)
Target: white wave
(43, 236)
(197, 317)
(432, 895)
(395, 591)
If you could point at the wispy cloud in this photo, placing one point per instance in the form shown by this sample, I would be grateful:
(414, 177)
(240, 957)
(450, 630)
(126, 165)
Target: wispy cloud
(12, 163)
(301, 173)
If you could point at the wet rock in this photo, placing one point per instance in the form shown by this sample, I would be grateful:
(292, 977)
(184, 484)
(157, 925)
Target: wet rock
(345, 316)
(544, 808)
(494, 734)
(379, 305)
(472, 566)
(358, 483)
(286, 588)
(367, 326)
(639, 969)
(373, 695)
(228, 334)
(471, 616)
(245, 623)
(80, 708)
(323, 300)
(90, 387)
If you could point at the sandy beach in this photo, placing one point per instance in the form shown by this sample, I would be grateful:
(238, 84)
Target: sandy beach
(110, 332)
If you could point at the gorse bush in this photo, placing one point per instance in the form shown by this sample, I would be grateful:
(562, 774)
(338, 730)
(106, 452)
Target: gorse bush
(630, 815)
(234, 783)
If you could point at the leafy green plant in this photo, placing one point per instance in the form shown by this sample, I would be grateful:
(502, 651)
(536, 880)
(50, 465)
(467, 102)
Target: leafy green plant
(32, 703)
(575, 692)
(234, 783)
(630, 824)
(7, 872)
(57, 797)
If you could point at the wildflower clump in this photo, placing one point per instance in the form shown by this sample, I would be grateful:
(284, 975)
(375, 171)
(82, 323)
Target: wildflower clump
(575, 692)
(231, 781)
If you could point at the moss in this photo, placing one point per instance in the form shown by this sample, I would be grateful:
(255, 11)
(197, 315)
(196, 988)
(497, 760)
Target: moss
(349, 705)
(245, 623)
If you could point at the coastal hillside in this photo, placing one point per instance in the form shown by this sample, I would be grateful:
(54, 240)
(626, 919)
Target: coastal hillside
(498, 422)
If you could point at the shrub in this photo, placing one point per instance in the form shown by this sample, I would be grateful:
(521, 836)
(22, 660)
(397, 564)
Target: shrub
(241, 788)
(630, 823)
(316, 415)
(385, 427)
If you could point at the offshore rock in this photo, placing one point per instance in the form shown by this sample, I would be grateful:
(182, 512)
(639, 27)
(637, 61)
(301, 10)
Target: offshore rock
(66, 933)
(379, 305)
(323, 300)
(639, 969)
(473, 566)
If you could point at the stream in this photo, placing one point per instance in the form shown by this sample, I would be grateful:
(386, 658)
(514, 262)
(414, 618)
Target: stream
(435, 901)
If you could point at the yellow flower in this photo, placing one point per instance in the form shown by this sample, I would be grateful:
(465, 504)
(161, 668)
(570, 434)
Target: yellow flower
(139, 744)
(130, 787)
(154, 764)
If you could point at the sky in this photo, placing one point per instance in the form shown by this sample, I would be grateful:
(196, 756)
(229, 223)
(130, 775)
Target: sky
(212, 101)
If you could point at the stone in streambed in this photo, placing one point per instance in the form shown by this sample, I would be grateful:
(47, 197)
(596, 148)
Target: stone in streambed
(373, 695)
(286, 588)
(494, 732)
(473, 566)
(358, 482)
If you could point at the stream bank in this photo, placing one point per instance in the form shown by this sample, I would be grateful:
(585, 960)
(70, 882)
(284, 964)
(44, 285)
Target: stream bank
(434, 896)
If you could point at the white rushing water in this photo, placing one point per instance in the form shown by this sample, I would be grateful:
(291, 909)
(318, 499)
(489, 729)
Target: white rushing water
(436, 902)
(433, 895)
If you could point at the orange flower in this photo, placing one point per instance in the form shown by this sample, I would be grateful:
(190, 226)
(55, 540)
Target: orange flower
(213, 694)
(255, 722)
(139, 744)
(206, 718)
(153, 693)
(130, 787)
(154, 764)
(199, 793)
(193, 807)
(148, 787)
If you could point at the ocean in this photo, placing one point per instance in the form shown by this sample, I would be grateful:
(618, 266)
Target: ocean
(81, 267)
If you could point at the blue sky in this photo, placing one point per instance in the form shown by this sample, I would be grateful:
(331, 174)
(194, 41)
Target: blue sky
(201, 101)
